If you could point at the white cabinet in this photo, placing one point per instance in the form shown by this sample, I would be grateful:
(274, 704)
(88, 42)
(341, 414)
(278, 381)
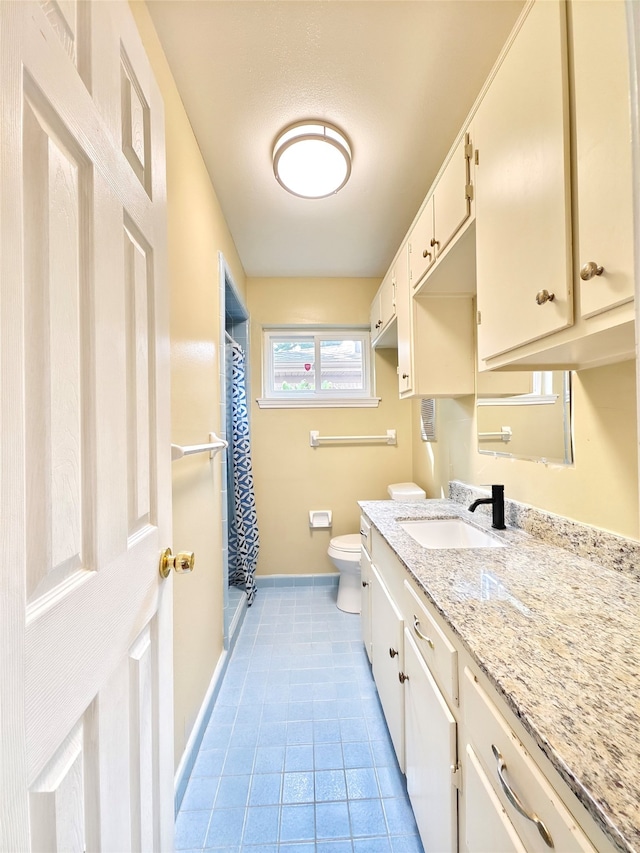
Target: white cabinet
(404, 308)
(487, 825)
(539, 816)
(461, 747)
(383, 313)
(365, 605)
(443, 215)
(436, 355)
(522, 182)
(422, 252)
(604, 191)
(431, 754)
(553, 186)
(388, 656)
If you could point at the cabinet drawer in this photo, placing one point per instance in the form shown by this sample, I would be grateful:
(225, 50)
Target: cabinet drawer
(505, 758)
(438, 653)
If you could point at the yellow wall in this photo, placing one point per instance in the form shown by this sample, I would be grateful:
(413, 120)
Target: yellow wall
(291, 477)
(196, 232)
(600, 488)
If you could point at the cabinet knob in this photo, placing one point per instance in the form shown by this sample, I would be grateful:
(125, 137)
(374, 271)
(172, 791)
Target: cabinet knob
(434, 242)
(543, 296)
(378, 324)
(402, 677)
(590, 269)
(392, 653)
(405, 375)
(426, 254)
(365, 583)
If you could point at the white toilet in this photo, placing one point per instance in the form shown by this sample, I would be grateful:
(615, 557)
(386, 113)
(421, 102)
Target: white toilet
(345, 552)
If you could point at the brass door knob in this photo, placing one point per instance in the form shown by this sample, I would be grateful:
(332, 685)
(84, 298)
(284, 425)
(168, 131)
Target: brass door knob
(544, 296)
(590, 269)
(182, 563)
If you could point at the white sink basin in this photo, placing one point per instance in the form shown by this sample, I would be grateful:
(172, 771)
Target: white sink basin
(449, 533)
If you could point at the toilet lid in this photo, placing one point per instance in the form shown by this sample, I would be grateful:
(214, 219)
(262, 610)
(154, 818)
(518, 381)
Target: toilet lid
(348, 542)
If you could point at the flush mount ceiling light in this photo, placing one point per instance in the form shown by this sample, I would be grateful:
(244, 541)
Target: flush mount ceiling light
(312, 159)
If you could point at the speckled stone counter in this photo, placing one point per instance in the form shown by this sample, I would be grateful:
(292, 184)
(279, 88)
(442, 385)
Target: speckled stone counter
(559, 637)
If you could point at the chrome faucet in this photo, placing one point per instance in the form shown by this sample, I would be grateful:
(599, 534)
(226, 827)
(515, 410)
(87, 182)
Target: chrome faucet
(497, 504)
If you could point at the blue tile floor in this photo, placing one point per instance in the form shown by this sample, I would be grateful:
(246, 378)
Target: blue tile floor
(297, 757)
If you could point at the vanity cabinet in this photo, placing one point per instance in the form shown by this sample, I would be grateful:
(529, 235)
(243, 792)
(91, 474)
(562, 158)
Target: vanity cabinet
(431, 754)
(387, 658)
(533, 808)
(455, 736)
(383, 313)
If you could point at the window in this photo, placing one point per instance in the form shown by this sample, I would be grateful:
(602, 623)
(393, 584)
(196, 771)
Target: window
(309, 367)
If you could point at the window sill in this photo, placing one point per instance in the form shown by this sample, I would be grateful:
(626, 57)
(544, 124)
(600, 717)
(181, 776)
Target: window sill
(335, 403)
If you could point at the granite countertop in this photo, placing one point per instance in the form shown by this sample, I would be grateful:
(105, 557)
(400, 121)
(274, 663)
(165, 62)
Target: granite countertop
(559, 637)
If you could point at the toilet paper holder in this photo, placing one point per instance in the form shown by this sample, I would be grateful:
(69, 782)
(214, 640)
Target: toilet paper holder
(320, 518)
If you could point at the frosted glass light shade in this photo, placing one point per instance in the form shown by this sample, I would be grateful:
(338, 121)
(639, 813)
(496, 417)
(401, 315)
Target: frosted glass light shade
(312, 159)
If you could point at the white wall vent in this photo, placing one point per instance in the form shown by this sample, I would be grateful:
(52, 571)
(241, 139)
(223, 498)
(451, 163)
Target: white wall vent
(428, 419)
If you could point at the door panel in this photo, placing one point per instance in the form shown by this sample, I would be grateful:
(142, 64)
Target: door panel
(86, 723)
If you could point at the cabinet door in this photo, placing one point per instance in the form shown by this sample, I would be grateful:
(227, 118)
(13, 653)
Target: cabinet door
(388, 299)
(522, 204)
(403, 312)
(365, 607)
(376, 318)
(452, 205)
(388, 656)
(487, 825)
(603, 153)
(431, 754)
(422, 253)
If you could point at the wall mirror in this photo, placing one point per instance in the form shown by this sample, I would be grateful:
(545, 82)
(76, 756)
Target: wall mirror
(525, 415)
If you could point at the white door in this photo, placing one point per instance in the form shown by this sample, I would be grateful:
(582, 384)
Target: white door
(85, 621)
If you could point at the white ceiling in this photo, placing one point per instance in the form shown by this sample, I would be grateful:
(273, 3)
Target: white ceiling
(398, 76)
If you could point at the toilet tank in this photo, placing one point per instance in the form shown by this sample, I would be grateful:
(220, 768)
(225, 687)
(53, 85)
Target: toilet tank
(406, 492)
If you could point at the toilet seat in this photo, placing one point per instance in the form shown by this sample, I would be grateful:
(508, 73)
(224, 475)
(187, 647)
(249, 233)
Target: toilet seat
(347, 544)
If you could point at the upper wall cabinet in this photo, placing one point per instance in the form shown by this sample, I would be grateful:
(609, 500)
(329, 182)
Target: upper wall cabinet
(556, 118)
(446, 211)
(383, 313)
(604, 194)
(523, 242)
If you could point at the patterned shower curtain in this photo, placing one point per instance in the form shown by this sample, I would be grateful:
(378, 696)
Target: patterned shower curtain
(243, 525)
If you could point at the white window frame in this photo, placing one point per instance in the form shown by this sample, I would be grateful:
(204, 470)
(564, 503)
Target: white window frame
(320, 398)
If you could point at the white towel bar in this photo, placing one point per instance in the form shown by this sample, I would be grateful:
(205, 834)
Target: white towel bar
(505, 434)
(315, 438)
(214, 444)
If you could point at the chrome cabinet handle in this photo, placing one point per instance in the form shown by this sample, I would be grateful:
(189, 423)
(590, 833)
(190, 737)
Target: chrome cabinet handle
(515, 800)
(590, 269)
(416, 628)
(543, 296)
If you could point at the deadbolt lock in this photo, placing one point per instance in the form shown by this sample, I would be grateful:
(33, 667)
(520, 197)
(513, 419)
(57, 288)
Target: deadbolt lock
(182, 563)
